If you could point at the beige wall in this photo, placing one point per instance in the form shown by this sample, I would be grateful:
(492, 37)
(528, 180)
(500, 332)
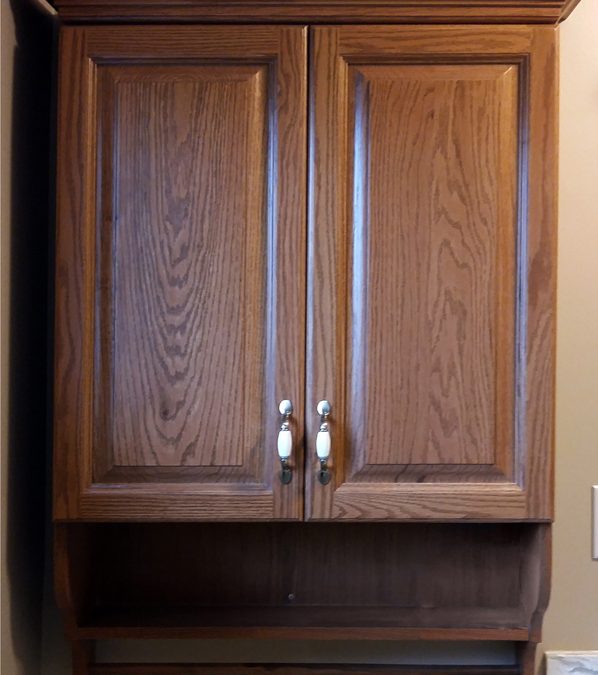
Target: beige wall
(572, 619)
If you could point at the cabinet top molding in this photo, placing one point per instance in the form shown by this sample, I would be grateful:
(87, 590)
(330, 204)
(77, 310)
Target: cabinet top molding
(318, 11)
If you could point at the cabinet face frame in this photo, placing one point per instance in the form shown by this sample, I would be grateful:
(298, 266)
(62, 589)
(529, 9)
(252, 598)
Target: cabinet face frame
(90, 57)
(527, 494)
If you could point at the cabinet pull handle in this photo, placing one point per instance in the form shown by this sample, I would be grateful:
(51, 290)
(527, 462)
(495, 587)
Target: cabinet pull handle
(285, 441)
(323, 442)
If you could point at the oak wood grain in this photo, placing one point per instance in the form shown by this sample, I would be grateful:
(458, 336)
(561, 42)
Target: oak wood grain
(419, 313)
(427, 344)
(472, 44)
(188, 318)
(180, 280)
(75, 199)
(334, 565)
(321, 11)
(541, 257)
(180, 302)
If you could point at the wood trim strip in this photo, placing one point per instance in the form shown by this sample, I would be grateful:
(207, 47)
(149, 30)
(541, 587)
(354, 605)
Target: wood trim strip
(73, 356)
(469, 44)
(299, 633)
(320, 11)
(450, 502)
(209, 669)
(541, 252)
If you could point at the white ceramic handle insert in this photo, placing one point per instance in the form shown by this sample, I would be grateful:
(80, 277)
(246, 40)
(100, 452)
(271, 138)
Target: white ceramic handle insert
(285, 443)
(323, 444)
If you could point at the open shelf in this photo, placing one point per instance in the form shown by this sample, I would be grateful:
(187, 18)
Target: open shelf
(303, 581)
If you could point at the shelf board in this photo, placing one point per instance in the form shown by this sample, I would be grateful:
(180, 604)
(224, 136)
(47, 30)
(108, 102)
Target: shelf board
(287, 669)
(375, 623)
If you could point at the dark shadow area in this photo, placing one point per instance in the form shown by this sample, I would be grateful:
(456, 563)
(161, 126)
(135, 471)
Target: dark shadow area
(32, 227)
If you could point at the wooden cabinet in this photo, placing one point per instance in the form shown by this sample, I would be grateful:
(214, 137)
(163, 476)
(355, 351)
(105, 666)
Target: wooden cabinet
(431, 323)
(181, 270)
(182, 275)
(310, 204)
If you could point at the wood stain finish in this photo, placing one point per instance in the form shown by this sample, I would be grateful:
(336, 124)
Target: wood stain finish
(321, 11)
(261, 201)
(181, 283)
(425, 308)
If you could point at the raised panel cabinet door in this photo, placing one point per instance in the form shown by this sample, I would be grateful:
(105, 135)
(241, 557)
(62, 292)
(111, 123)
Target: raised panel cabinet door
(431, 273)
(180, 271)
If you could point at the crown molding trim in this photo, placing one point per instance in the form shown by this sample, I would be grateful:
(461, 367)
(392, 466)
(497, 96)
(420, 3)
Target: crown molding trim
(319, 11)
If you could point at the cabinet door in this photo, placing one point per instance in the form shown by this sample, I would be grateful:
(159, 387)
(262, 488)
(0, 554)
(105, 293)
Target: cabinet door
(180, 273)
(432, 271)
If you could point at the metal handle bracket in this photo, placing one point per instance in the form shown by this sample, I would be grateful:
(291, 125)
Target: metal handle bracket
(285, 441)
(324, 442)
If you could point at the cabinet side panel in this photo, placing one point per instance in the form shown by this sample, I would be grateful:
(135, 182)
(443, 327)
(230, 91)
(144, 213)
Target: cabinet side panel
(541, 263)
(73, 358)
